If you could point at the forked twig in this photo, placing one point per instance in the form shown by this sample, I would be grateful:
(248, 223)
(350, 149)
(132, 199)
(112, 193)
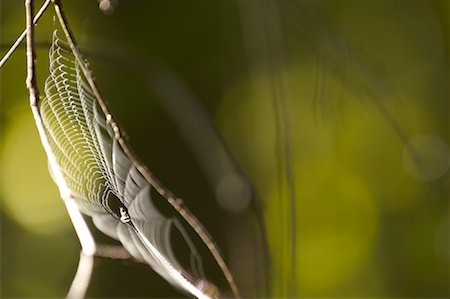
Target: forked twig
(82, 278)
(176, 100)
(175, 202)
(24, 33)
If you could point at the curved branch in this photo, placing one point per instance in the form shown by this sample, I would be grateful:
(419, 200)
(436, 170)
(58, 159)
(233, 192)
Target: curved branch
(83, 275)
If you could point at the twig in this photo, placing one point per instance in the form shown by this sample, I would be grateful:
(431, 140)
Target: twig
(157, 77)
(82, 278)
(175, 202)
(115, 252)
(24, 33)
(37, 45)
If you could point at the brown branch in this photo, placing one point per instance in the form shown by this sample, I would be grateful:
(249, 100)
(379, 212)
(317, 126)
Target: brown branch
(31, 54)
(175, 202)
(19, 40)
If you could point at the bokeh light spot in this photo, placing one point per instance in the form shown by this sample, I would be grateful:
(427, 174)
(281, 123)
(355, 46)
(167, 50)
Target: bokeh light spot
(339, 243)
(426, 157)
(233, 193)
(29, 195)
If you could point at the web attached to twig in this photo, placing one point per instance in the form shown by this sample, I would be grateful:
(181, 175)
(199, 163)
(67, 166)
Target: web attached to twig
(105, 183)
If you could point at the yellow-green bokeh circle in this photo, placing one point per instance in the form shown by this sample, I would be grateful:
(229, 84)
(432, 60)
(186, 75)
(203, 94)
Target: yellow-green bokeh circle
(29, 196)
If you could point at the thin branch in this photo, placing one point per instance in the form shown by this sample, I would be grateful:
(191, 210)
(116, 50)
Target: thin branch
(37, 45)
(84, 234)
(82, 278)
(19, 40)
(175, 202)
(115, 252)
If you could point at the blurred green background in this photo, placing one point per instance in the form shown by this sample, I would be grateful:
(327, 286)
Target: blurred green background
(335, 110)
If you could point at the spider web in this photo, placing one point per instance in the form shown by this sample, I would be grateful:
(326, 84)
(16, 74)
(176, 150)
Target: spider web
(105, 183)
